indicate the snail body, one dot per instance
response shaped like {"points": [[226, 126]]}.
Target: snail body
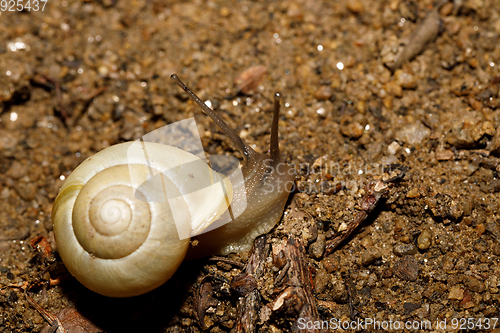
{"points": [[124, 217], [267, 185]]}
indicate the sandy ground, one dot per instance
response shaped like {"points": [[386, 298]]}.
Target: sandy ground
{"points": [[81, 76]]}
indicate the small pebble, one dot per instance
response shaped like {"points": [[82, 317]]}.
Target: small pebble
{"points": [[494, 228], [4, 247], [318, 247], [405, 249], [461, 265], [413, 133], [339, 291], [406, 268], [323, 93], [224, 12], [387, 273], [466, 301], [446, 9], [103, 70], [331, 263], [295, 11], [370, 256], [456, 293], [410, 307], [393, 88], [367, 242], [467, 205], [480, 229], [414, 193], [8, 140], [496, 249], [16, 170], [342, 227], [355, 6], [393, 148], [352, 130], [456, 211], [321, 281], [448, 262], [495, 142], [474, 284], [27, 191], [424, 240], [405, 80]]}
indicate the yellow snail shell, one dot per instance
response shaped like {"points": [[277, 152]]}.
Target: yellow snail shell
{"points": [[113, 237]]}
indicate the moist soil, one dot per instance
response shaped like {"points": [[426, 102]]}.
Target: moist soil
{"points": [[81, 76]]}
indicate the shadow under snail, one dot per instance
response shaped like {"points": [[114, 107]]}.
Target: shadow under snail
{"points": [[119, 243]]}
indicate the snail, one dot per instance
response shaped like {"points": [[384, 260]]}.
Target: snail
{"points": [[119, 239]]}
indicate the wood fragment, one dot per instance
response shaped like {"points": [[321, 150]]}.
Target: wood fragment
{"points": [[374, 191], [248, 80], [73, 322], [243, 284], [204, 301], [227, 261], [297, 300], [41, 244], [68, 320], [425, 33], [48, 316], [279, 279], [248, 307], [351, 292]]}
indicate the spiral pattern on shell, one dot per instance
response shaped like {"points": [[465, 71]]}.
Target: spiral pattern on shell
{"points": [[123, 218]]}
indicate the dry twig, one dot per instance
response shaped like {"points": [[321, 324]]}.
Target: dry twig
{"points": [[245, 286], [374, 191], [425, 33], [297, 300]]}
